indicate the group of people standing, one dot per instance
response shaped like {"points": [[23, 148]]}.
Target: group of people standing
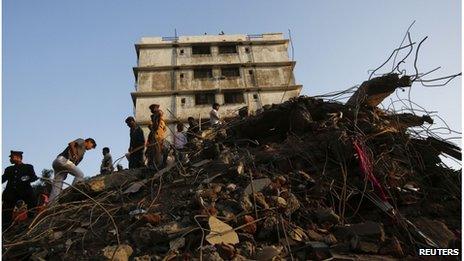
{"points": [[153, 148], [20, 175]]}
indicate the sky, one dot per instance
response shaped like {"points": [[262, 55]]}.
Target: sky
{"points": [[67, 65]]}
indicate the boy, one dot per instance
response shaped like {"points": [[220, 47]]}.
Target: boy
{"points": [[107, 162]]}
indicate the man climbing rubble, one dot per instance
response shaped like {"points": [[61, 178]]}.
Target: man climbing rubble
{"points": [[19, 177], [136, 144], [67, 162]]}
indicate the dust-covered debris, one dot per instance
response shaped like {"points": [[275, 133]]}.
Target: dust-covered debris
{"points": [[305, 179]]}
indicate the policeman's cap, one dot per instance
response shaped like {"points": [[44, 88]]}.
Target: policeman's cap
{"points": [[16, 152]]}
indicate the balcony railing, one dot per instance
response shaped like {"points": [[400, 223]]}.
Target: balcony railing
{"points": [[169, 38], [254, 36]]}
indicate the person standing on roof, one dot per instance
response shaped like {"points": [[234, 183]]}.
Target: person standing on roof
{"points": [[136, 145], [67, 162], [214, 116], [19, 177]]}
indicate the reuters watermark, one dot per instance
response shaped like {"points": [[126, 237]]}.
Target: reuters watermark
{"points": [[438, 252]]}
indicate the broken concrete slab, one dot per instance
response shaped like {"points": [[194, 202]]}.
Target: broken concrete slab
{"points": [[435, 230]]}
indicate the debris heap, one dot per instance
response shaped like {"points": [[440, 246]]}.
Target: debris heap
{"points": [[308, 179]]}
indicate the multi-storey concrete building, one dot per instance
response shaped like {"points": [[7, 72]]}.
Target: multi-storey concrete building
{"points": [[187, 74]]}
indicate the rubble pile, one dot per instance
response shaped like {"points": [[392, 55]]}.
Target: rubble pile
{"points": [[308, 179]]}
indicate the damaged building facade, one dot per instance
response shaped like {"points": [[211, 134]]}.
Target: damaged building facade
{"points": [[187, 74]]}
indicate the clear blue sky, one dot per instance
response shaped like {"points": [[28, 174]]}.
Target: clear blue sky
{"points": [[67, 65]]}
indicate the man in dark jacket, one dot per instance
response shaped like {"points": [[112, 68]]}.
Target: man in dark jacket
{"points": [[19, 177], [193, 129], [137, 144]]}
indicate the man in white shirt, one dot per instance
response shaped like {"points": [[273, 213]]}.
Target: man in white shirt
{"points": [[67, 162], [179, 137], [214, 117]]}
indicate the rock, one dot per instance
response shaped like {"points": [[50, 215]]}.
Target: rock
{"points": [[80, 230], [141, 236], [435, 230], [142, 258], [247, 249], [246, 204], [314, 236], [216, 188], [359, 245], [151, 218], [268, 229], [293, 204], [250, 229], [258, 185], [150, 236], [56, 235], [261, 200], [369, 230], [327, 215], [392, 248], [280, 202], [226, 251], [268, 253], [177, 243], [306, 177], [39, 256], [239, 258], [115, 253], [330, 239], [363, 237], [317, 251], [116, 179], [135, 187], [281, 180], [212, 256], [297, 234], [231, 187]]}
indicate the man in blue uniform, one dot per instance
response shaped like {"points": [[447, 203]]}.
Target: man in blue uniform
{"points": [[19, 177]]}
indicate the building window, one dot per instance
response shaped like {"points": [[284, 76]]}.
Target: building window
{"points": [[230, 72], [247, 50], [233, 97], [250, 72], [181, 75], [181, 51], [182, 100], [201, 49], [203, 73], [227, 49], [203, 98], [255, 96]]}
